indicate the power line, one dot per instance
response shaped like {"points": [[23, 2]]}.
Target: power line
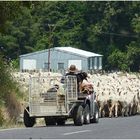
{"points": [[117, 34]]}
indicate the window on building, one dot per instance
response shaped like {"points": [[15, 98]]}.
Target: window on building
{"points": [[60, 66], [93, 62], [46, 66], [98, 63], [90, 63]]}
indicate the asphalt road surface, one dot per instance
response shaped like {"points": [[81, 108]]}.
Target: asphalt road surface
{"points": [[107, 128]]}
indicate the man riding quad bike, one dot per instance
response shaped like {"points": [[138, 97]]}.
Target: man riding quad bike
{"points": [[62, 100]]}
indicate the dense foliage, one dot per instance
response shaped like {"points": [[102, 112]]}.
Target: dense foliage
{"points": [[9, 93], [111, 28]]}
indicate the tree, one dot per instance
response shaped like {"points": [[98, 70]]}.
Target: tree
{"points": [[133, 54], [8, 11], [100, 27], [118, 61]]}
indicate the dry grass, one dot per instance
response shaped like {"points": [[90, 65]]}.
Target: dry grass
{"points": [[1, 117], [13, 106]]}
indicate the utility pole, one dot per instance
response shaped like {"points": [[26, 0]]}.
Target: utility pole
{"points": [[51, 29]]}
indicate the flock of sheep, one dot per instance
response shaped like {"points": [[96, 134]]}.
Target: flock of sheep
{"points": [[117, 94]]}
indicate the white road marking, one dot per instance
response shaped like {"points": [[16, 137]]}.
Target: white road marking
{"points": [[70, 133], [7, 129]]}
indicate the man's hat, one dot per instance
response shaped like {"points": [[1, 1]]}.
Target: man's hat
{"points": [[72, 68]]}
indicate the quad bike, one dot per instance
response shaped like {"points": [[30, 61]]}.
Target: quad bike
{"points": [[56, 102]]}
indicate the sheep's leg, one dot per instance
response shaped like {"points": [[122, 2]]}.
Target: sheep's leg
{"points": [[123, 110], [111, 111], [100, 112], [116, 110]]}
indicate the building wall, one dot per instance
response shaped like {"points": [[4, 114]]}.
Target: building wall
{"points": [[95, 63], [39, 57], [62, 57], [57, 56]]}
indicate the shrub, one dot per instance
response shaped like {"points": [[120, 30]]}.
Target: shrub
{"points": [[9, 91]]}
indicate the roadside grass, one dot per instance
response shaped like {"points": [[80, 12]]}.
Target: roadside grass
{"points": [[10, 93]]}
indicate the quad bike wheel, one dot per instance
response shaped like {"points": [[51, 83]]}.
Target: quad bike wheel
{"points": [[78, 115], [86, 114], [28, 121], [95, 118]]}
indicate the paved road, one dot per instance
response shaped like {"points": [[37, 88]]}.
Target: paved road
{"points": [[107, 128]]}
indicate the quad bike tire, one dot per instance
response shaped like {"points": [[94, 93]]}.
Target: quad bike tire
{"points": [[95, 118], [28, 121], [86, 114], [78, 116]]}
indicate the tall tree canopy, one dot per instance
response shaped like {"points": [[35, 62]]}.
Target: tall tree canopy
{"points": [[111, 28]]}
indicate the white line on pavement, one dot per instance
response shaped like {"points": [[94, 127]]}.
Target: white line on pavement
{"points": [[70, 133], [7, 129]]}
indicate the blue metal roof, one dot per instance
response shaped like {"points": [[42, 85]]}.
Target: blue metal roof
{"points": [[67, 50]]}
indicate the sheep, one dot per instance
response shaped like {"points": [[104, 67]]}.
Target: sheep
{"points": [[118, 93]]}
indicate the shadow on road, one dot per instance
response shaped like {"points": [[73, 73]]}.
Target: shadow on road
{"points": [[66, 125]]}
